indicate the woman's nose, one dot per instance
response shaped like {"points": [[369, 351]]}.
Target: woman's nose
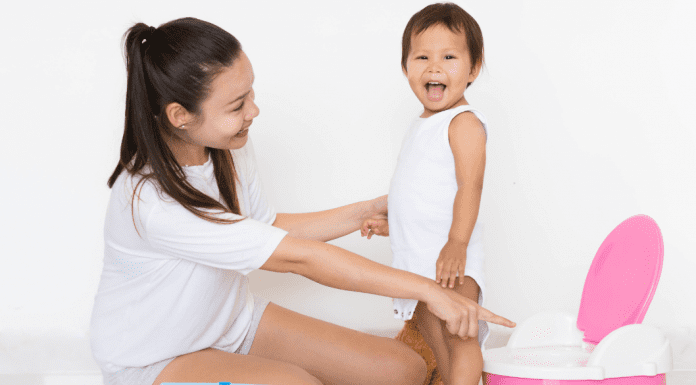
{"points": [[253, 112]]}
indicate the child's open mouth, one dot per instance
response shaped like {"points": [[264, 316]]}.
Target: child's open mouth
{"points": [[435, 91]]}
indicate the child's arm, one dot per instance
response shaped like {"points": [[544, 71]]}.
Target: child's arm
{"points": [[467, 139]]}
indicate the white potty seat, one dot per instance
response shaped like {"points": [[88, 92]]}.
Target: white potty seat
{"points": [[607, 344]]}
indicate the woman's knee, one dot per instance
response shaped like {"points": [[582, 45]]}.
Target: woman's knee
{"points": [[209, 364], [405, 366], [299, 376]]}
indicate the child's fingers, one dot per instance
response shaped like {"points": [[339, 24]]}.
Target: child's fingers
{"points": [[450, 275], [445, 275], [454, 269], [438, 271]]}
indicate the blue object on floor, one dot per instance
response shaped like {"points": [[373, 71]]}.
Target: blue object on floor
{"points": [[202, 383]]}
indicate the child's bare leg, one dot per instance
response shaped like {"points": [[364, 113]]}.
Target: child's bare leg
{"points": [[466, 360], [460, 361], [431, 329]]}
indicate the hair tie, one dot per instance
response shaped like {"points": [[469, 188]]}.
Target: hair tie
{"points": [[149, 32]]}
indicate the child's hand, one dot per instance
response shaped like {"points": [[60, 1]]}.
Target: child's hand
{"points": [[377, 224], [451, 262]]}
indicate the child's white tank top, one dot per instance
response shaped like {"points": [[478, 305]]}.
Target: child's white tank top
{"points": [[421, 200]]}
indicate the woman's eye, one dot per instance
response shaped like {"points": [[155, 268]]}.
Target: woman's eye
{"points": [[239, 108]]}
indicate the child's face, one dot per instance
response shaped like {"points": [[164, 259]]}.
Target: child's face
{"points": [[438, 69]]}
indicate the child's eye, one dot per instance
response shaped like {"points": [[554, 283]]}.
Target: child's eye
{"points": [[422, 57], [449, 57]]}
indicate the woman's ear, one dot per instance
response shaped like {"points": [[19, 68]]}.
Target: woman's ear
{"points": [[177, 115]]}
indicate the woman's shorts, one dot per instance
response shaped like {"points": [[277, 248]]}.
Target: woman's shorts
{"points": [[147, 375]]}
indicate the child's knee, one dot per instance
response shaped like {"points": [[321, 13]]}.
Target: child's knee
{"points": [[468, 288]]}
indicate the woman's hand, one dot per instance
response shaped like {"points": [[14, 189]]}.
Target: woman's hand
{"points": [[376, 221], [461, 315], [378, 224], [378, 207], [450, 263]]}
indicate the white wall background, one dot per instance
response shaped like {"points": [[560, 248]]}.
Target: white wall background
{"points": [[591, 111]]}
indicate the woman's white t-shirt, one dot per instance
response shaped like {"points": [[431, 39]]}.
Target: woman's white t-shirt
{"points": [[178, 284]]}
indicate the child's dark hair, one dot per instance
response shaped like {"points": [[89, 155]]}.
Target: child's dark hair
{"points": [[451, 16], [174, 63]]}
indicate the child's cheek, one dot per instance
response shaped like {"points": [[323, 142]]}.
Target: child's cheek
{"points": [[454, 68]]}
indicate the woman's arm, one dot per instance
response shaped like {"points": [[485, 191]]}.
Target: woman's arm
{"points": [[330, 224], [333, 266]]}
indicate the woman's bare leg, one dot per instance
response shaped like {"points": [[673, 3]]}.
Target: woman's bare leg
{"points": [[290, 348], [212, 365], [460, 361], [334, 354]]}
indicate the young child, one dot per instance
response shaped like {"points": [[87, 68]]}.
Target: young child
{"points": [[436, 189]]}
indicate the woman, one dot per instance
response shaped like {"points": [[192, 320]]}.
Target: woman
{"points": [[187, 220]]}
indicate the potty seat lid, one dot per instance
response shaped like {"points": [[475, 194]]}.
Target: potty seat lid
{"points": [[622, 278]]}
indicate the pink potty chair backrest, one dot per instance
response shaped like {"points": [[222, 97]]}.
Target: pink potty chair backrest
{"points": [[622, 278]]}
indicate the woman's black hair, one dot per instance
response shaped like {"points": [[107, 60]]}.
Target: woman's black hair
{"points": [[174, 63]]}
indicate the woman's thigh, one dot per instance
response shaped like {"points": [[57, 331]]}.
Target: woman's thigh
{"points": [[334, 354], [212, 365]]}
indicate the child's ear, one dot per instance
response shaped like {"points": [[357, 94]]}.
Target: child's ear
{"points": [[403, 69], [475, 71]]}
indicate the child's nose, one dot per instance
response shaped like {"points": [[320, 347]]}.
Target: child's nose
{"points": [[434, 66]]}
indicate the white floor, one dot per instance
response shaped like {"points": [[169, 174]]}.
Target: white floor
{"points": [[673, 378], [65, 359]]}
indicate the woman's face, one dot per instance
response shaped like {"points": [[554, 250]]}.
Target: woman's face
{"points": [[229, 109]]}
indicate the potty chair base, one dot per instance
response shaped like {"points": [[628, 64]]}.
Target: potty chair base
{"points": [[494, 379], [606, 343]]}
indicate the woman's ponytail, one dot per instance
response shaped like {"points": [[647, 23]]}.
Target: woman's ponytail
{"points": [[174, 63], [139, 112]]}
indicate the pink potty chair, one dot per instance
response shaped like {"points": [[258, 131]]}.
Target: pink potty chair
{"points": [[609, 346]]}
